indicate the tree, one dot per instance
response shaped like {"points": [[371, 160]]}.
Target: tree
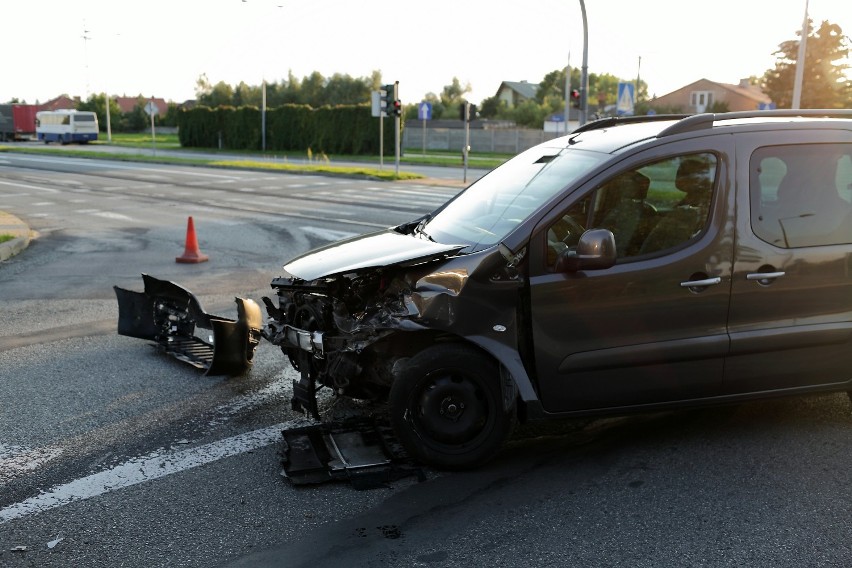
{"points": [[97, 104], [137, 119], [453, 94], [603, 89], [314, 90], [213, 95], [491, 107], [824, 84]]}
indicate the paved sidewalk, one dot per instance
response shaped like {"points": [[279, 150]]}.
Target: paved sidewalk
{"points": [[11, 225]]}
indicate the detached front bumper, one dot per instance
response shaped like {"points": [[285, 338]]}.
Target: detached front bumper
{"points": [[173, 318]]}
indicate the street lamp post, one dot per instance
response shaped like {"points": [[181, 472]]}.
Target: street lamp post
{"points": [[584, 75], [800, 63]]}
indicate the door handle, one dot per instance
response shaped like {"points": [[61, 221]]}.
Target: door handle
{"points": [[700, 283], [764, 277]]}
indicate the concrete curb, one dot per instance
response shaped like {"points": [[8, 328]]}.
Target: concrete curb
{"points": [[11, 225]]}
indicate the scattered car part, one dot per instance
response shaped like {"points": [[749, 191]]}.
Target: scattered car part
{"points": [[173, 318], [360, 451]]}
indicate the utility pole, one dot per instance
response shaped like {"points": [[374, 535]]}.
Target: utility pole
{"points": [[584, 75], [567, 91], [636, 90], [86, 39], [800, 63]]}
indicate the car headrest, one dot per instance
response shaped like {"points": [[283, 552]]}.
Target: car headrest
{"points": [[694, 175], [632, 185]]}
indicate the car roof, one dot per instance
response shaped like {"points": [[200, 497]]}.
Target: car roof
{"points": [[609, 135]]}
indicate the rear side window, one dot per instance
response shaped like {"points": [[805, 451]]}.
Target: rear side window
{"points": [[801, 195]]}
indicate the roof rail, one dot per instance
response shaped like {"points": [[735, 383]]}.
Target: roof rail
{"points": [[706, 120], [618, 120]]}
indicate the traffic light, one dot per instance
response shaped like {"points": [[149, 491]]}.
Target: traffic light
{"points": [[388, 99], [396, 108], [467, 112], [575, 98]]}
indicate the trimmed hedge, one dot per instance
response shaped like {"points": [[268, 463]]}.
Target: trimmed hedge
{"points": [[342, 129]]}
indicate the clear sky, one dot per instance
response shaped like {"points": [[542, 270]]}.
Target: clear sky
{"points": [[160, 48]]}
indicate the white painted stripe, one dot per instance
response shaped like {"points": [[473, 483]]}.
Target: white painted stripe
{"points": [[25, 186], [111, 215], [328, 234], [139, 470], [116, 166]]}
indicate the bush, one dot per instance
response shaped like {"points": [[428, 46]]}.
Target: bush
{"points": [[341, 129]]}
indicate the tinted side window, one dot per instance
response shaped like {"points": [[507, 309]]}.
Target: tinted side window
{"points": [[650, 209], [801, 195]]}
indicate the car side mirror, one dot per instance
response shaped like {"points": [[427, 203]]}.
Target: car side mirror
{"points": [[595, 251]]}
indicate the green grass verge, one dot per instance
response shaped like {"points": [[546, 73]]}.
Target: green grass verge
{"points": [[162, 141], [314, 168], [411, 155], [4, 238], [454, 160], [318, 169]]}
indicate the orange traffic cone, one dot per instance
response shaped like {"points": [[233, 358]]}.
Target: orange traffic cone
{"points": [[191, 254]]}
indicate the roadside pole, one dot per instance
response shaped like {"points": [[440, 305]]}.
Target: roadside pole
{"points": [[584, 71], [152, 109], [396, 121], [466, 116], [109, 128]]}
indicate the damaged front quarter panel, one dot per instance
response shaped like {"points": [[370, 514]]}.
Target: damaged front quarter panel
{"points": [[349, 331]]}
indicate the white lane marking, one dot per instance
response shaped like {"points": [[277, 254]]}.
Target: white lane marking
{"points": [[327, 234], [116, 166], [25, 186], [141, 469], [110, 215]]}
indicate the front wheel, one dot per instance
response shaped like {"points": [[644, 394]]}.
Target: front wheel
{"points": [[446, 407]]}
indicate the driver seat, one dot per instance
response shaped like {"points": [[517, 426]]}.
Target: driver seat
{"points": [[629, 216]]}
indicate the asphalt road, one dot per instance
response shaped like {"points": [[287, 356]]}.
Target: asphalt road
{"points": [[113, 455]]}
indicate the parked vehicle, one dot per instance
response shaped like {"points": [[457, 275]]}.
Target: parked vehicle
{"points": [[637, 264], [17, 122], [67, 126]]}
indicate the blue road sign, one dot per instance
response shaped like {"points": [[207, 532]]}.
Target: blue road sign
{"points": [[424, 111], [624, 104]]}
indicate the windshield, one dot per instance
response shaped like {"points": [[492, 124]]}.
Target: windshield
{"points": [[492, 207]]}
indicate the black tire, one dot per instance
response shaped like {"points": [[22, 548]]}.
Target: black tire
{"points": [[446, 407]]}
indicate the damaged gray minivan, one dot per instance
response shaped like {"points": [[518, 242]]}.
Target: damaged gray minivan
{"points": [[636, 264]]}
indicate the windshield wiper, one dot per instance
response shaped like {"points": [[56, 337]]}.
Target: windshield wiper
{"points": [[419, 229]]}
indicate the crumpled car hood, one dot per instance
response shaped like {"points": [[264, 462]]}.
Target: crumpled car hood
{"points": [[367, 251]]}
